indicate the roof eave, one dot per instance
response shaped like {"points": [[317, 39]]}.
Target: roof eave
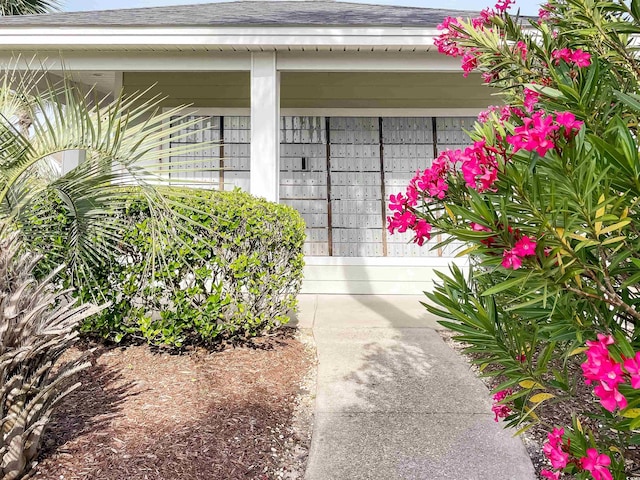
{"points": [[235, 36]]}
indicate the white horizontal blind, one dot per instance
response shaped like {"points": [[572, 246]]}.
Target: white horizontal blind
{"points": [[224, 164], [201, 167], [451, 135], [408, 147], [236, 148], [337, 172], [303, 177], [356, 193]]}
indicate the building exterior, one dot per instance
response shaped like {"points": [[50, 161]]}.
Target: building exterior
{"points": [[325, 106]]}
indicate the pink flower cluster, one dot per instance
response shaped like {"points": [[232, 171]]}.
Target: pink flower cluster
{"points": [[429, 184], [521, 49], [530, 99], [525, 247], [448, 42], [469, 61], [577, 57], [501, 410], [504, 5], [544, 13], [505, 112], [554, 449], [557, 451], [539, 132], [479, 166], [602, 369]]}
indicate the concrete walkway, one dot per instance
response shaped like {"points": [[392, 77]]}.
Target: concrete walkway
{"points": [[395, 402]]}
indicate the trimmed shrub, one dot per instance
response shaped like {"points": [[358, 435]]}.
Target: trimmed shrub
{"points": [[232, 268]]}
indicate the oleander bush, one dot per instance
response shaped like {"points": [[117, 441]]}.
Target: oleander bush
{"points": [[546, 199], [37, 325], [231, 269]]}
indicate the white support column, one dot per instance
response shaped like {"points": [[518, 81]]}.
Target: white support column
{"points": [[265, 126], [71, 159], [118, 81]]}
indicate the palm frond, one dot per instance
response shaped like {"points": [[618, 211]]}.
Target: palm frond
{"points": [[125, 140], [28, 7]]}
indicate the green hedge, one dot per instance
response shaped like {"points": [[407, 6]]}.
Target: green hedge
{"points": [[230, 267]]}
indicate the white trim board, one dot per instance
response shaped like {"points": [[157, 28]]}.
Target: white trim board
{"points": [[435, 262], [265, 37], [341, 112], [199, 59]]}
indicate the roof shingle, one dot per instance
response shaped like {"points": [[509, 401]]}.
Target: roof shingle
{"points": [[250, 13]]}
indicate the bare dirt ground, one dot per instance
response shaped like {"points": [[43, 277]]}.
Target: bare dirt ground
{"points": [[240, 413]]}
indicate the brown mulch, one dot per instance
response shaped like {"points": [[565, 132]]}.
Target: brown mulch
{"points": [[200, 415]]}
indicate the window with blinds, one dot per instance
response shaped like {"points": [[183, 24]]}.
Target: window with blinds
{"points": [[337, 172]]}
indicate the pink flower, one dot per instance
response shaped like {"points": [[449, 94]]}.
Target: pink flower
{"points": [[422, 230], [488, 77], [486, 15], [530, 99], [479, 167], [483, 117], [501, 395], [537, 134], [550, 475], [609, 396], [602, 368], [397, 202], [476, 227], [556, 435], [432, 181], [511, 260], [598, 359], [442, 164], [544, 14], [596, 464], [580, 58], [562, 54], [521, 48], [525, 247], [611, 374], [556, 455], [567, 120], [447, 41], [506, 112], [501, 411], [401, 222], [577, 57], [469, 61], [412, 196], [553, 450], [603, 341], [504, 5], [632, 366]]}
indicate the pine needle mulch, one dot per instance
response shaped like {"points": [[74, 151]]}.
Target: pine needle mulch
{"points": [[202, 415]]}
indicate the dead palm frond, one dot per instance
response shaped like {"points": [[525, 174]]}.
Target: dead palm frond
{"points": [[37, 325]]}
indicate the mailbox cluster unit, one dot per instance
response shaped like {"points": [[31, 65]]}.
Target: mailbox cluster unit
{"points": [[338, 172]]}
